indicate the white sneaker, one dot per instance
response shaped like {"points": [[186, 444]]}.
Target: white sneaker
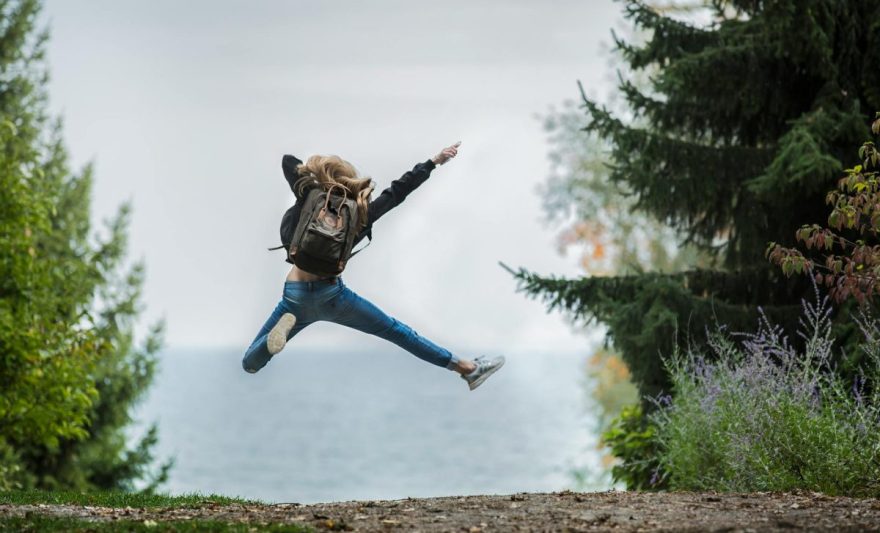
{"points": [[278, 334], [485, 368]]}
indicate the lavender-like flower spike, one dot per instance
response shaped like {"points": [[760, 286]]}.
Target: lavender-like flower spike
{"points": [[761, 410]]}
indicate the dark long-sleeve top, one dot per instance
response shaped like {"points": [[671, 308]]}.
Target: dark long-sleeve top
{"points": [[386, 201]]}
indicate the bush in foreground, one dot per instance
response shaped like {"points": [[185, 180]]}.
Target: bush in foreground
{"points": [[761, 416]]}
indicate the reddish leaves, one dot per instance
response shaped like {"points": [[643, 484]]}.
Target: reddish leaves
{"points": [[851, 266]]}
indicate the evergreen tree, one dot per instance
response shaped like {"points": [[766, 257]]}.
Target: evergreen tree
{"points": [[747, 122], [69, 370]]}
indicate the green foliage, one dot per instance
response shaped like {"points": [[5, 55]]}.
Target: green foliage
{"points": [[68, 368], [848, 268], [36, 523], [101, 498], [762, 416], [632, 438], [744, 125]]}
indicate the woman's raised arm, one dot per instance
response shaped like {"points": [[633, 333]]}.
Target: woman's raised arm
{"points": [[402, 186], [288, 166]]}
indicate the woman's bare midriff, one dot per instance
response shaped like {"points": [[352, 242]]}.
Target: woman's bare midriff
{"points": [[296, 274]]}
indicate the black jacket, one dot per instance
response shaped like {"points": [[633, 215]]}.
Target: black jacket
{"points": [[387, 200]]}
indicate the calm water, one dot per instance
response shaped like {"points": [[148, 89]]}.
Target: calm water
{"points": [[328, 426]]}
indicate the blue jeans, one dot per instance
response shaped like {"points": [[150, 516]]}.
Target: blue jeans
{"points": [[333, 301]]}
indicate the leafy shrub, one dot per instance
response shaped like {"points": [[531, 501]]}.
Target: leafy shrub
{"points": [[762, 416], [849, 268], [632, 439]]}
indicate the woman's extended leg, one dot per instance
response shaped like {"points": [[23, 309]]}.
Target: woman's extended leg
{"points": [[258, 354], [358, 313]]}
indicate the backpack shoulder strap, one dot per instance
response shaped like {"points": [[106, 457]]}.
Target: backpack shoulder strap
{"points": [[369, 235]]}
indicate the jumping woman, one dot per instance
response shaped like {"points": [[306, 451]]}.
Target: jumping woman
{"points": [[310, 297]]}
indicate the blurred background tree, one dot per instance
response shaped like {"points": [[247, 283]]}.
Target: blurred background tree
{"points": [[600, 222], [69, 367]]}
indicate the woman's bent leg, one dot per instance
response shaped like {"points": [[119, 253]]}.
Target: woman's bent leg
{"points": [[360, 314], [257, 354]]}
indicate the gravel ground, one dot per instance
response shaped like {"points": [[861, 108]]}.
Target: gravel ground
{"points": [[557, 511]]}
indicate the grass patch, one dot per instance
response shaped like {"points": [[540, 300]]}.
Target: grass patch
{"points": [[116, 499], [34, 523]]}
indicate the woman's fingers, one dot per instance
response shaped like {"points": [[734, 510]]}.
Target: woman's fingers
{"points": [[448, 153]]}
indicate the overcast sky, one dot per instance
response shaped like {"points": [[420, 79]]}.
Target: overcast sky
{"points": [[187, 107]]}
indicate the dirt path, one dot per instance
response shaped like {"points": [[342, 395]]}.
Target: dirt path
{"points": [[558, 511]]}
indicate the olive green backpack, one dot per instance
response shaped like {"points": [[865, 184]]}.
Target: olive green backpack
{"points": [[324, 236]]}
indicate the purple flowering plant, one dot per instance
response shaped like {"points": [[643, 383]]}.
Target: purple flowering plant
{"points": [[761, 415]]}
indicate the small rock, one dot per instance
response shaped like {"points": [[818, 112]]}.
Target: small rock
{"points": [[333, 525], [287, 505]]}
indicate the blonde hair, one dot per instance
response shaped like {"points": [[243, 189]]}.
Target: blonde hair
{"points": [[326, 170]]}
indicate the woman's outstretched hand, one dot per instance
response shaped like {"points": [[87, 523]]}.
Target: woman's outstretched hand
{"points": [[446, 154]]}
